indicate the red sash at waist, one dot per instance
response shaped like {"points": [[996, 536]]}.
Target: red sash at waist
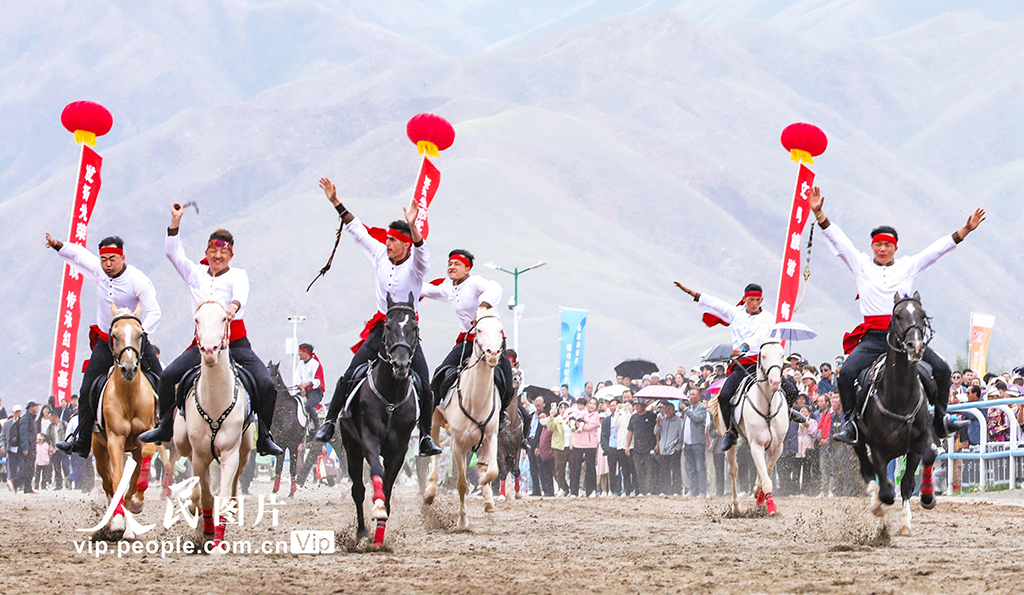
{"points": [[370, 325], [236, 332], [871, 323], [746, 360], [96, 335]]}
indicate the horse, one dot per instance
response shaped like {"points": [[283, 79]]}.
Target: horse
{"points": [[384, 411], [471, 414], [289, 433], [215, 423], [763, 423], [894, 419], [129, 409], [510, 444]]}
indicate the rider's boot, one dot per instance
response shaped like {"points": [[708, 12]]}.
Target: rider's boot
{"points": [[326, 431], [265, 441], [428, 448], [790, 390], [164, 432], [427, 403], [848, 434], [946, 425], [80, 443], [728, 440], [797, 416]]}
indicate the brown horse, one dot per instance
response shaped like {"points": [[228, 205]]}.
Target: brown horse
{"points": [[129, 408]]}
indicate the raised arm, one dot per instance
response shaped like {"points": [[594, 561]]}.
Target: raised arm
{"points": [[944, 245], [77, 256], [837, 241], [420, 253], [174, 250], [710, 303], [432, 291]]}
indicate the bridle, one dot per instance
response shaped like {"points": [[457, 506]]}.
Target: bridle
{"points": [[478, 351], [925, 329], [760, 361], [227, 324], [110, 333], [387, 349]]}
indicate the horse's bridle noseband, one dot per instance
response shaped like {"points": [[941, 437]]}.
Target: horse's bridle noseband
{"points": [[110, 335], [761, 359], [472, 331], [901, 338], [386, 351]]}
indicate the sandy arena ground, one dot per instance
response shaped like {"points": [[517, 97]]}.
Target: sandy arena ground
{"points": [[614, 545]]}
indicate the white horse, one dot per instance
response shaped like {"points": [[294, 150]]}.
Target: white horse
{"points": [[472, 414], [764, 421], [221, 432]]}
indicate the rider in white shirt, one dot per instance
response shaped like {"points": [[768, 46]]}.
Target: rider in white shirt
{"points": [[401, 263], [751, 327], [310, 378], [881, 277], [465, 293], [214, 279], [124, 286]]}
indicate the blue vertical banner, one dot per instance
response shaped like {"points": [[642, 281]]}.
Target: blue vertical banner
{"points": [[573, 336]]}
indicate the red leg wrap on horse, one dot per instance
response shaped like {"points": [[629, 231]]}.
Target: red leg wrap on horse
{"points": [[277, 483], [218, 531], [208, 521], [502, 491], [770, 503], [378, 536], [143, 484], [927, 487], [295, 486], [517, 485], [760, 496], [378, 489], [119, 509]]}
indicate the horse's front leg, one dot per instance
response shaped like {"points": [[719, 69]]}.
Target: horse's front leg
{"points": [[140, 479], [907, 490], [371, 450], [487, 469], [435, 433], [927, 486], [733, 471], [202, 497], [764, 481], [227, 494], [461, 483], [115, 462], [393, 462], [354, 458]]}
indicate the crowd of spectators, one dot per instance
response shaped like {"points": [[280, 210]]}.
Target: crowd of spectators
{"points": [[28, 460]]}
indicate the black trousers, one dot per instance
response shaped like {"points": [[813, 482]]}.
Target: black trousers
{"points": [[242, 354], [646, 476], [535, 473], [581, 456], [867, 351], [370, 349], [458, 356], [100, 362], [547, 475], [739, 372], [670, 472], [627, 470]]}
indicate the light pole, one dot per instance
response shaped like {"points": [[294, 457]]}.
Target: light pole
{"points": [[515, 306], [294, 346]]}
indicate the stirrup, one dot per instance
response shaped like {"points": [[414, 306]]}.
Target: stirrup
{"points": [[326, 432], [729, 440], [428, 448], [797, 416], [850, 434]]}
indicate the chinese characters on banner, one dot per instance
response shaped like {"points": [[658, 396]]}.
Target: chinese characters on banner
{"points": [[789, 280], [981, 330], [426, 187], [573, 337], [66, 337]]}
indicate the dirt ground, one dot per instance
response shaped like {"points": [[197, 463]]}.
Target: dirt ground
{"points": [[609, 545]]}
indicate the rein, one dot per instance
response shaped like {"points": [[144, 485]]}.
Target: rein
{"points": [[901, 338], [768, 415], [117, 356], [389, 407], [458, 388], [386, 351]]}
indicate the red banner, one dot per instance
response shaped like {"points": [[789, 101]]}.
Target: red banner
{"points": [[66, 338], [426, 187], [789, 280]]}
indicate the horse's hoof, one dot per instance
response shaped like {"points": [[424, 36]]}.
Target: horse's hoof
{"points": [[117, 524], [929, 503], [428, 499], [519, 495], [905, 531], [379, 512], [219, 548], [135, 506], [488, 507]]}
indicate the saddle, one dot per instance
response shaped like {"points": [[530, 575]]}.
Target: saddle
{"points": [[99, 386], [870, 375], [187, 386], [450, 375]]}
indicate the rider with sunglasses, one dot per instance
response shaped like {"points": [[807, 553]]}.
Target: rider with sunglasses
{"points": [[119, 284], [880, 277], [213, 279]]}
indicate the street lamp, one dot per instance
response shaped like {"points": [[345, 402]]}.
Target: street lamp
{"points": [[516, 308], [293, 347]]}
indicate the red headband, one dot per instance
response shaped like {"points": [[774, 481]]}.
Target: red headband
{"points": [[111, 250], [883, 237], [306, 350], [399, 236], [220, 243], [461, 259], [755, 294]]}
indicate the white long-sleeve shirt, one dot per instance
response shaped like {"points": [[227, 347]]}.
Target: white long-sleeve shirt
{"points": [[396, 280], [127, 290], [306, 372], [753, 330], [465, 298], [230, 286], [876, 284]]}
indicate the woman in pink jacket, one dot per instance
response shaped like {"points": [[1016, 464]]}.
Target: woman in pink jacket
{"points": [[584, 422]]}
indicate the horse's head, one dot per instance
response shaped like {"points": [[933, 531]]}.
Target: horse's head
{"points": [[401, 335], [275, 375], [212, 331], [909, 331], [770, 359], [490, 339], [126, 340]]}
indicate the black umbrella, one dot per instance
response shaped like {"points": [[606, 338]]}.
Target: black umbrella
{"points": [[720, 353], [636, 368], [533, 391]]}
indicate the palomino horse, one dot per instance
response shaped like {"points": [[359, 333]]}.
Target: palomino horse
{"points": [[764, 421], [214, 425], [895, 419], [471, 415], [384, 412], [290, 434], [129, 406]]}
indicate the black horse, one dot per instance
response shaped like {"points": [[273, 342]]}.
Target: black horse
{"points": [[510, 444], [290, 434], [384, 412], [895, 420]]}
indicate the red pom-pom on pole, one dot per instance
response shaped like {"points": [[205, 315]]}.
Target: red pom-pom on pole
{"points": [[804, 141], [430, 133], [87, 120]]}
